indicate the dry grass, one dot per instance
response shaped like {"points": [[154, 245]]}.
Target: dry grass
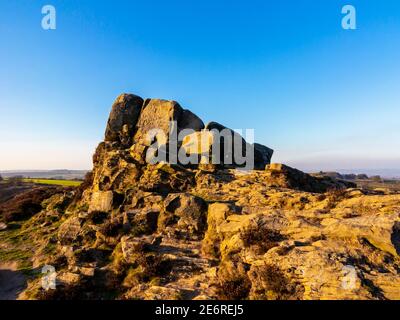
{"points": [[334, 196]]}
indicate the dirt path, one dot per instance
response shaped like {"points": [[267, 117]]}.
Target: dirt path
{"points": [[12, 282]]}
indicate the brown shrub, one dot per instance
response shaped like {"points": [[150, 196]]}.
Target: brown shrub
{"points": [[148, 266], [152, 264], [270, 283], [235, 287], [103, 286], [233, 281], [260, 238], [60, 293], [26, 204]]}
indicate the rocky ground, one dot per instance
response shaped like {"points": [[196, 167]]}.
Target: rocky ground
{"points": [[160, 231]]}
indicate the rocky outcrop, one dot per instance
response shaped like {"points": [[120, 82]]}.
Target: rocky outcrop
{"points": [[150, 127], [288, 244], [280, 175], [136, 150], [162, 230]]}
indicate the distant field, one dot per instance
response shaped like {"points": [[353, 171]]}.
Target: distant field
{"points": [[46, 174], [66, 183], [393, 185]]}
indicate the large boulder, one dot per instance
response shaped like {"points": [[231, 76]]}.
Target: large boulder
{"points": [[123, 118], [189, 120], [160, 122], [198, 147], [262, 156], [155, 129], [156, 115], [218, 145]]}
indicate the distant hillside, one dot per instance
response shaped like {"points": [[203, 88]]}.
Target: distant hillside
{"points": [[384, 173], [358, 173], [46, 174]]}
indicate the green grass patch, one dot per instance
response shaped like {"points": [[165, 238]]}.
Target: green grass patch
{"points": [[65, 183], [13, 250]]}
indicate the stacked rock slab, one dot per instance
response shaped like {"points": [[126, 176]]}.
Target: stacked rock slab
{"points": [[220, 145], [139, 124], [141, 132]]}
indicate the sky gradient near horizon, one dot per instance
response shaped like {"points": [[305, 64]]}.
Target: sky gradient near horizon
{"points": [[320, 96]]}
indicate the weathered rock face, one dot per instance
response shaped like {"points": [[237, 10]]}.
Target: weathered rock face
{"points": [[70, 230], [300, 245], [113, 168], [217, 214], [199, 147], [160, 122], [233, 148], [101, 201], [138, 135], [123, 118], [174, 231], [227, 149], [156, 115], [184, 215], [164, 178]]}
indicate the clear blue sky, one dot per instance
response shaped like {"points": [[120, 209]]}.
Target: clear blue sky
{"points": [[321, 96]]}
